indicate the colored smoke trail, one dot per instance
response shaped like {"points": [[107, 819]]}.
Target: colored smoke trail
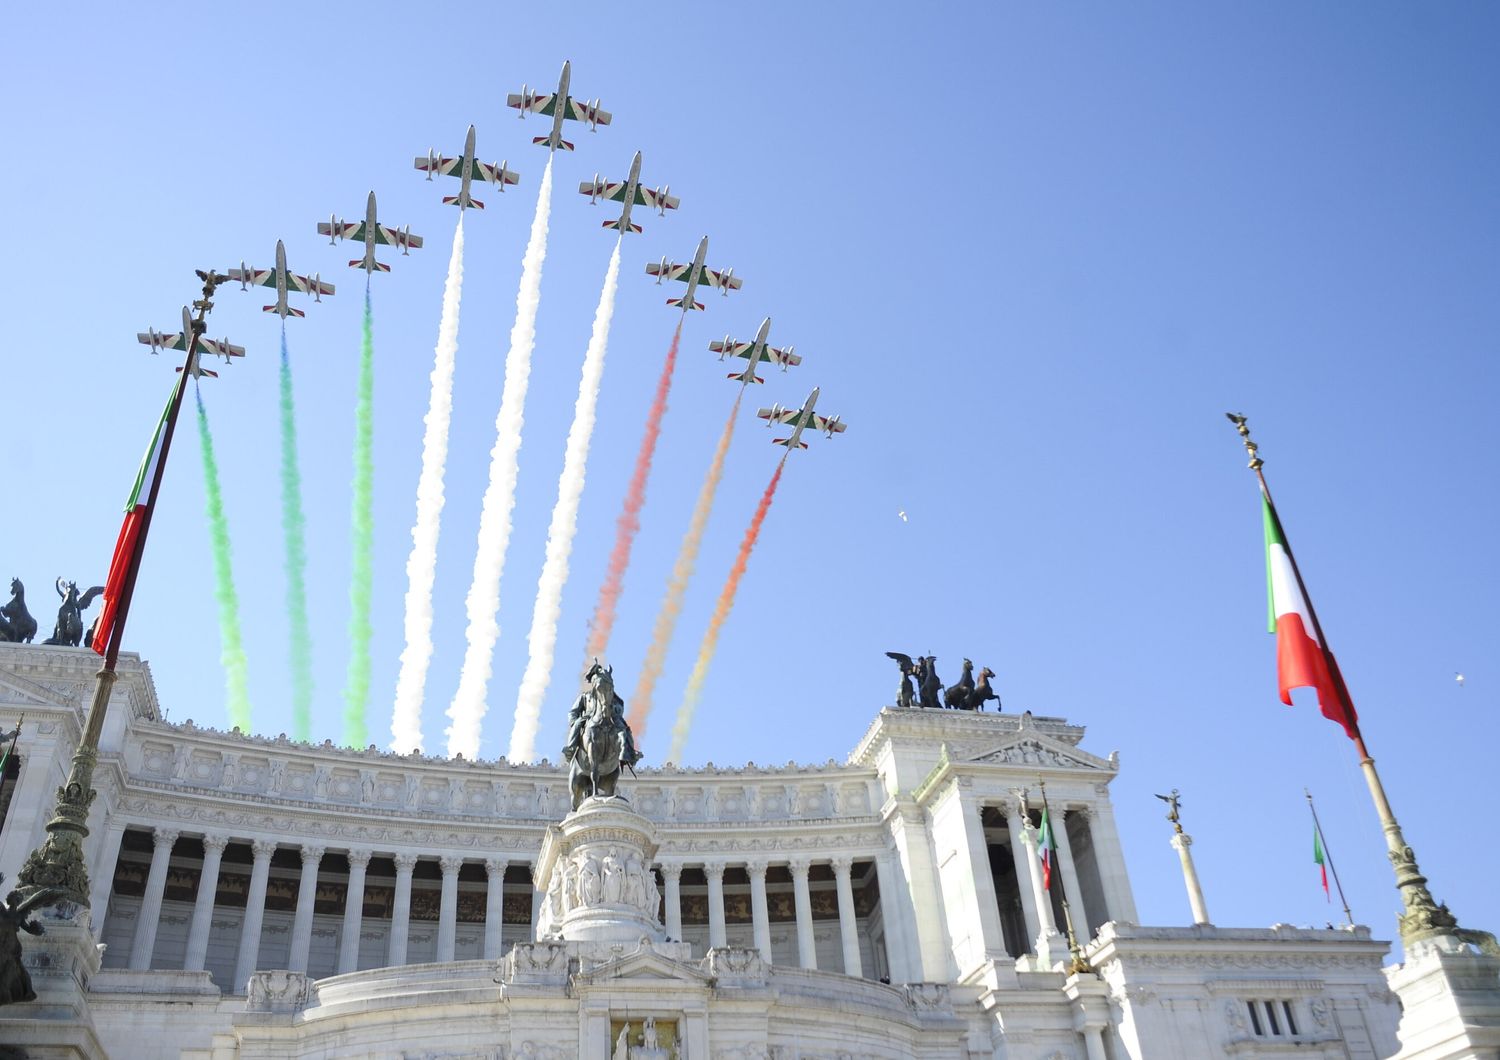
{"points": [[548, 608], [629, 522], [421, 565], [231, 646], [361, 537], [294, 536], [682, 573], [466, 712]]}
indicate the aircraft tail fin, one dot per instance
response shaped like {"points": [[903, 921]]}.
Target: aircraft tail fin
{"points": [[289, 309], [565, 145], [679, 301], [788, 443], [615, 224], [453, 200], [741, 377]]}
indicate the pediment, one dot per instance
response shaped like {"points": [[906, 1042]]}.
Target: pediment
{"points": [[646, 963], [18, 691], [1031, 749]]}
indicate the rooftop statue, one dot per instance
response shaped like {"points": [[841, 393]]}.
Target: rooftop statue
{"points": [[16, 623], [69, 628], [600, 742]]}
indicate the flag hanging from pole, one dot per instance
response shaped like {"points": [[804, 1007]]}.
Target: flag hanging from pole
{"points": [[125, 545], [1301, 659], [1320, 861], [10, 749], [1045, 845]]}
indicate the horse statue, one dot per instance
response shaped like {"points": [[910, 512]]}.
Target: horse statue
{"points": [[983, 691], [599, 739], [906, 695], [928, 683], [16, 623], [956, 697], [69, 628]]}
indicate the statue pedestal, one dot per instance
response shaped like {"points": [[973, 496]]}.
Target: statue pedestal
{"points": [[595, 869]]}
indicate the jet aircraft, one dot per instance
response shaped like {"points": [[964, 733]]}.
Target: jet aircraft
{"points": [[372, 233], [693, 275], [178, 341], [557, 106], [630, 192], [801, 419], [466, 169], [282, 280], [754, 351]]}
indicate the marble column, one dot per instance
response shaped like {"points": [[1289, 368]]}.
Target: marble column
{"points": [[760, 915], [203, 905], [255, 911], [848, 926], [354, 912], [103, 882], [900, 949], [1182, 842], [1069, 870], [714, 870], [538, 896], [150, 914], [807, 947], [671, 875], [307, 892], [401, 911], [1110, 858], [448, 909], [494, 908], [1023, 860], [1050, 946]]}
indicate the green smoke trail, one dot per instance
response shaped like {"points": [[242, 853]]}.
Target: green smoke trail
{"points": [[231, 648], [294, 534], [361, 538]]}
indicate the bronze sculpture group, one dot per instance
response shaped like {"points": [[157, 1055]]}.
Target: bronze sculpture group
{"points": [[921, 686], [600, 742], [18, 626]]}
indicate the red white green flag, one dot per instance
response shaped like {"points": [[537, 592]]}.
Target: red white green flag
{"points": [[1320, 861], [1045, 847], [130, 530], [1301, 661]]}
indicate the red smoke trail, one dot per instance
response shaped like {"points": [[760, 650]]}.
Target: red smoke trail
{"points": [[706, 650], [629, 522]]}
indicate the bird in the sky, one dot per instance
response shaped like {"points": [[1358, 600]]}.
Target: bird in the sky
{"points": [[902, 515], [1459, 678]]}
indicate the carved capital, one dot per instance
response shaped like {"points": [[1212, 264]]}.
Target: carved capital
{"points": [[799, 867], [757, 869], [714, 870], [842, 863], [359, 858], [214, 843], [263, 849], [671, 871], [496, 866], [450, 864], [312, 854], [405, 862], [164, 837]]}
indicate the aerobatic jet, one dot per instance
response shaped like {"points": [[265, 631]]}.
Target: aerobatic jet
{"points": [[282, 280], [754, 351], [467, 169], [693, 275], [178, 341], [801, 419], [370, 232], [630, 192], [558, 106]]}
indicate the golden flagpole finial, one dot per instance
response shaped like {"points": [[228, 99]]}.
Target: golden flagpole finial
{"points": [[1242, 425]]}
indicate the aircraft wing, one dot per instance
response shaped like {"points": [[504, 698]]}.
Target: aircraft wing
{"points": [[443, 168], [391, 238], [673, 271], [609, 191], [824, 423], [220, 348], [647, 197], [731, 348], [581, 110], [307, 285], [347, 230], [783, 358], [779, 415], [161, 342], [535, 104], [717, 279], [255, 277], [495, 173]]}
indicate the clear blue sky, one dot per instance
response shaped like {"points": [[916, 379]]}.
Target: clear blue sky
{"points": [[1031, 254]]}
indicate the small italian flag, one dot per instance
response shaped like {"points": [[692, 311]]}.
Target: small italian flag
{"points": [[10, 749], [1301, 661], [1320, 861], [130, 531], [1044, 848]]}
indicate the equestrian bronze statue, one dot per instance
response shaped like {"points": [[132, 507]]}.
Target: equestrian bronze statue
{"points": [[600, 742]]}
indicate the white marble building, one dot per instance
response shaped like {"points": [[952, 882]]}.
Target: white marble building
{"points": [[260, 898]]}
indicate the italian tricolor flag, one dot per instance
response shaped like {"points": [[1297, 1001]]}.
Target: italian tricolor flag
{"points": [[1320, 861], [1045, 845], [130, 531], [1301, 661]]}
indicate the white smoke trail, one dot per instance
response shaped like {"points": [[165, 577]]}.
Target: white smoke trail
{"points": [[543, 638], [421, 565], [466, 712]]}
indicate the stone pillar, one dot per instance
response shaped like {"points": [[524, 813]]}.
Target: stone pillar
{"points": [[671, 874], [401, 911], [150, 914], [203, 905], [255, 911], [848, 927], [1182, 842], [1071, 890], [538, 896], [354, 912], [759, 913], [104, 875], [807, 948], [900, 948], [1050, 946], [494, 908], [448, 910], [307, 891], [1023, 859], [971, 909], [714, 870], [1111, 859]]}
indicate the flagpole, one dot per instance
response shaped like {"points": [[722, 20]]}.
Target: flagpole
{"points": [[1328, 856], [5, 758], [1077, 963], [1422, 917], [56, 872]]}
